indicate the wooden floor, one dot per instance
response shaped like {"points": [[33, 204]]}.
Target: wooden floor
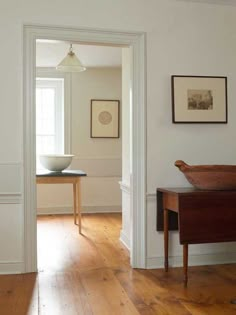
{"points": [[90, 274]]}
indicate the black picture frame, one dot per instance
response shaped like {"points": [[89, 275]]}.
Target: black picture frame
{"points": [[199, 99]]}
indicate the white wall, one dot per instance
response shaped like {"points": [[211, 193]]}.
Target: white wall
{"points": [[99, 158], [182, 38], [195, 39]]}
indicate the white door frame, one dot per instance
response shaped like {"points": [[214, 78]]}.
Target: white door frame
{"points": [[135, 40]]}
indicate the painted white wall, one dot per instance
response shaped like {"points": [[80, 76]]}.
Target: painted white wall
{"points": [[99, 158], [182, 38], [199, 43]]}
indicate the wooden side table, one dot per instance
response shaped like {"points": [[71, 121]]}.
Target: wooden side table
{"points": [[203, 217], [66, 177]]}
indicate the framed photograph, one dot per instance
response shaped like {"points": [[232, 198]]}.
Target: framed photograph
{"points": [[105, 119], [199, 99]]}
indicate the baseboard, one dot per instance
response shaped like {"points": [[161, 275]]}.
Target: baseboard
{"points": [[125, 239], [7, 268], [101, 209], [85, 209], [193, 260]]}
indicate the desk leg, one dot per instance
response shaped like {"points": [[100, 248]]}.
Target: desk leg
{"points": [[78, 202], [185, 255], [166, 237], [74, 200]]}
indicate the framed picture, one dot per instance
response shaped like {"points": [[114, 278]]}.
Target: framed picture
{"points": [[105, 116], [199, 99]]}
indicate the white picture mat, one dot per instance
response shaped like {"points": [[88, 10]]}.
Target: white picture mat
{"points": [[218, 89], [110, 130]]}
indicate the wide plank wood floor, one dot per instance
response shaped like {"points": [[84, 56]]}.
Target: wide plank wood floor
{"points": [[90, 274]]}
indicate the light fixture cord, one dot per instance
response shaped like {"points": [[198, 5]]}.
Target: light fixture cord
{"points": [[71, 53]]}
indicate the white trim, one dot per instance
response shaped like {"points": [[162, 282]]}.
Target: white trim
{"points": [[138, 200], [11, 163], [15, 198], [102, 209], [213, 2], [125, 240], [52, 73], [116, 177], [57, 85], [135, 40], [30, 230], [85, 209], [105, 157], [47, 72], [151, 195], [194, 260], [125, 187], [11, 267]]}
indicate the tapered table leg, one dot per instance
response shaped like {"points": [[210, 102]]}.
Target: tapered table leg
{"points": [[185, 256], [74, 201], [166, 238], [78, 203]]}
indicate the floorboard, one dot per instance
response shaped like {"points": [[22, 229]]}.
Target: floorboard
{"points": [[90, 274]]}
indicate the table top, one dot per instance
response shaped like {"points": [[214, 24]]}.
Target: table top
{"points": [[192, 191], [65, 173]]}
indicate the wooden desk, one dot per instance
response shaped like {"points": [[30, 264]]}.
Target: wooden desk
{"points": [[203, 217], [65, 177]]}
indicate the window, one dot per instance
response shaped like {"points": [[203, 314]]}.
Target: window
{"points": [[49, 117]]}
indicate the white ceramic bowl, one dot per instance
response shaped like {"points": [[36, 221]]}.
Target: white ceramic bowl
{"points": [[56, 162]]}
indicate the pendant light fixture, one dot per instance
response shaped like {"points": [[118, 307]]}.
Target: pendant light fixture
{"points": [[70, 63]]}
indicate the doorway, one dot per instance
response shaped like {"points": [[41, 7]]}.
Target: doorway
{"points": [[66, 99], [65, 102], [136, 41]]}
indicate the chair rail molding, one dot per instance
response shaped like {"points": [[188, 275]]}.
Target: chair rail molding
{"points": [[104, 157], [137, 42], [151, 195], [213, 2], [10, 197]]}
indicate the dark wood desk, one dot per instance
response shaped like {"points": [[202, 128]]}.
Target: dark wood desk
{"points": [[203, 217], [65, 177]]}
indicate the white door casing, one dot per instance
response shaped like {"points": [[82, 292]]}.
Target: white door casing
{"points": [[135, 40]]}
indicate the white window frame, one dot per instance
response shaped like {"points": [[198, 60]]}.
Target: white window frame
{"points": [[51, 73], [57, 85]]}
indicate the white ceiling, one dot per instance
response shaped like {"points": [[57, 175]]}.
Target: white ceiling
{"points": [[49, 53]]}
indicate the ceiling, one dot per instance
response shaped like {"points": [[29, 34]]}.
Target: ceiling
{"points": [[49, 53]]}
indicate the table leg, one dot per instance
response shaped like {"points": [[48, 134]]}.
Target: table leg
{"points": [[74, 200], [185, 255], [166, 238], [78, 202]]}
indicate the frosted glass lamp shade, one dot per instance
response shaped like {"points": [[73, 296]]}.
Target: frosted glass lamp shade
{"points": [[70, 63]]}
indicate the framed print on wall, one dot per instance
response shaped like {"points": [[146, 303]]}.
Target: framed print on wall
{"points": [[105, 116], [199, 99]]}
